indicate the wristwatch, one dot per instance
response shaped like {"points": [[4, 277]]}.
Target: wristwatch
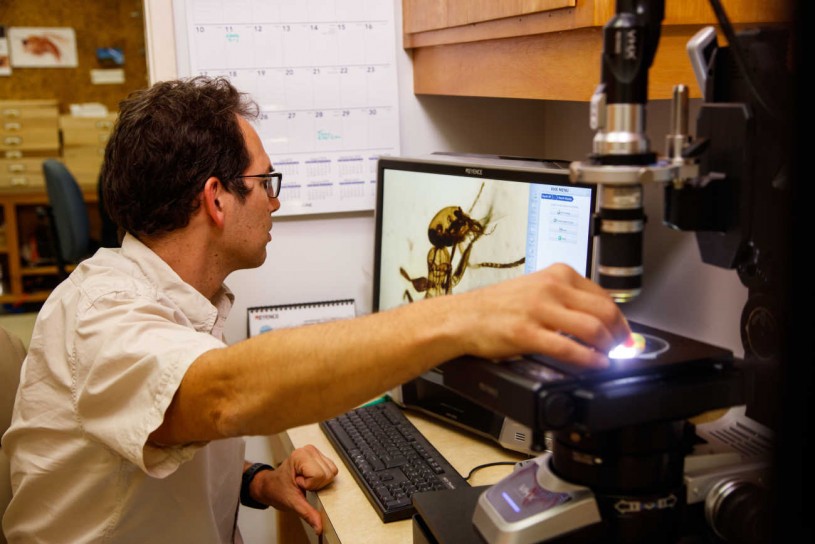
{"points": [[246, 481]]}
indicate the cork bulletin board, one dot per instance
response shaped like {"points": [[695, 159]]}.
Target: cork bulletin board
{"points": [[97, 24]]}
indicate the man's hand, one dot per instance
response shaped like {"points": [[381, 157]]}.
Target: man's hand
{"points": [[554, 311], [284, 488]]}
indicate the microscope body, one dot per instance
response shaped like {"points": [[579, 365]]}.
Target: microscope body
{"points": [[656, 479], [729, 184]]}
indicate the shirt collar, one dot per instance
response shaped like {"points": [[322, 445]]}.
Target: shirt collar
{"points": [[205, 315]]}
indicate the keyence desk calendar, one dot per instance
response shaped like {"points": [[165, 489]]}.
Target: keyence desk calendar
{"points": [[262, 319], [324, 75]]}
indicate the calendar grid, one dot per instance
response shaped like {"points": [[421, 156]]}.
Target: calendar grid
{"points": [[323, 73]]}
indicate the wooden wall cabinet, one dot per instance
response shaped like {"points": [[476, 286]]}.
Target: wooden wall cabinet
{"points": [[550, 49]]}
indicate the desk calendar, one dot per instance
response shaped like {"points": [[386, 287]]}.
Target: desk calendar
{"points": [[260, 319]]}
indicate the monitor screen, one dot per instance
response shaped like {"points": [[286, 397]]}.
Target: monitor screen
{"points": [[447, 224]]}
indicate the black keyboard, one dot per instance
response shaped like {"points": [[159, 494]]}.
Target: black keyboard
{"points": [[389, 458]]}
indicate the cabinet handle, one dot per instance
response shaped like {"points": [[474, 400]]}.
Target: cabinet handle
{"points": [[12, 126], [16, 168], [104, 124], [12, 140], [19, 181], [14, 154], [11, 112]]}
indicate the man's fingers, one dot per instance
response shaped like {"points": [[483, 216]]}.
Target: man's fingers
{"points": [[566, 349], [303, 509], [597, 319], [313, 470]]}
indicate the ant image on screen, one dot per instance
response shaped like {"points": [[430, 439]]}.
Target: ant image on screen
{"points": [[452, 228]]}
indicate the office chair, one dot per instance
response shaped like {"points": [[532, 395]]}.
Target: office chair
{"points": [[12, 353], [70, 225]]}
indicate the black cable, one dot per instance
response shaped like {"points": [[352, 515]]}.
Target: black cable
{"points": [[738, 53], [495, 464]]}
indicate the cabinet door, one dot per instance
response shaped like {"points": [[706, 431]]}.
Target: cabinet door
{"points": [[423, 15]]}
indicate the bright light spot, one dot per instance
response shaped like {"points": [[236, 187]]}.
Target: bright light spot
{"points": [[630, 348]]}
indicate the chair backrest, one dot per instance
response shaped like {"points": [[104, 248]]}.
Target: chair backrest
{"points": [[12, 353], [70, 214]]}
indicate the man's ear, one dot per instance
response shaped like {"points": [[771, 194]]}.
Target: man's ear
{"points": [[212, 199]]}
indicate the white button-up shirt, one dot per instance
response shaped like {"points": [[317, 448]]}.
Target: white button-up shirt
{"points": [[108, 352]]}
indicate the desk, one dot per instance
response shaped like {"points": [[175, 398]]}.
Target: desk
{"points": [[18, 214], [348, 516]]}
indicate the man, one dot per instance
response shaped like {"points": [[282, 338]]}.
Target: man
{"points": [[129, 415]]}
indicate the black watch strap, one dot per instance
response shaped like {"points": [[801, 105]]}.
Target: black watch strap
{"points": [[246, 481]]}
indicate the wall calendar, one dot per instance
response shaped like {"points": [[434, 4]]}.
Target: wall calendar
{"points": [[324, 75]]}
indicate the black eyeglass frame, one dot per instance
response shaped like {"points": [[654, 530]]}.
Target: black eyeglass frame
{"points": [[272, 182]]}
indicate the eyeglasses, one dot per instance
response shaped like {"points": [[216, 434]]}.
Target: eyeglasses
{"points": [[271, 182]]}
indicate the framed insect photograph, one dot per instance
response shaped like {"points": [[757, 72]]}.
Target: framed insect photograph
{"points": [[43, 47]]}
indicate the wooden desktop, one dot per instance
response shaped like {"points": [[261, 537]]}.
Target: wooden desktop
{"points": [[348, 516]]}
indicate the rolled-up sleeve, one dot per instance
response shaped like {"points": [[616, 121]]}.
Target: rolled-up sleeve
{"points": [[135, 351]]}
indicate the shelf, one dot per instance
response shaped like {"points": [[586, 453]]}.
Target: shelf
{"points": [[47, 270], [24, 283], [34, 296], [32, 196]]}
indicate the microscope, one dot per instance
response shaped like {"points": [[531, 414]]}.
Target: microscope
{"points": [[622, 462]]}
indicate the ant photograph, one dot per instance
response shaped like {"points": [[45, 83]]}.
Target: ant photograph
{"points": [[452, 238]]}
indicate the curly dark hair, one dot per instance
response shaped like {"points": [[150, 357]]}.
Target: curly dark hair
{"points": [[167, 141]]}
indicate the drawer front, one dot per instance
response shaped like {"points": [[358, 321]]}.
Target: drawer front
{"points": [[91, 131], [83, 166], [21, 181], [26, 114], [84, 124], [23, 126], [29, 140], [84, 163], [86, 138], [16, 154], [88, 153], [22, 173], [25, 166]]}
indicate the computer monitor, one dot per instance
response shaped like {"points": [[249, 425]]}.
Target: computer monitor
{"points": [[448, 223]]}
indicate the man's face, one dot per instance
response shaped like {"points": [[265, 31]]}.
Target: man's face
{"points": [[250, 227]]}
